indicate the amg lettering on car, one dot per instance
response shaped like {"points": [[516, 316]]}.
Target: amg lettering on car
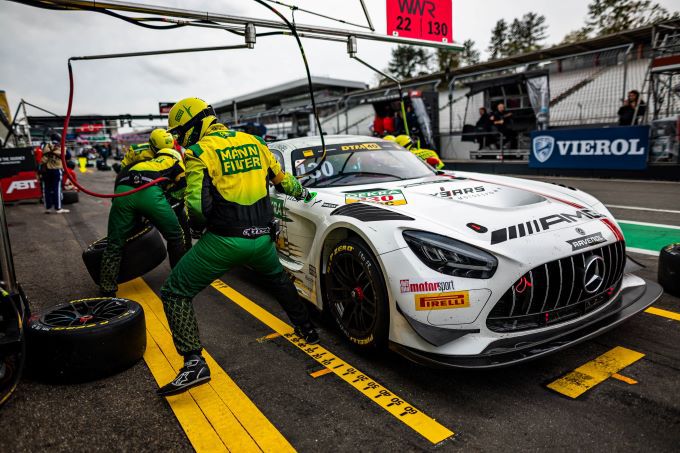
{"points": [[586, 241], [407, 287], [537, 225], [443, 301]]}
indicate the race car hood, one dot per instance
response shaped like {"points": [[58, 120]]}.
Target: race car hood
{"points": [[483, 209]]}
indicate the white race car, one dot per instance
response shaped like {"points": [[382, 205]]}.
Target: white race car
{"points": [[450, 268]]}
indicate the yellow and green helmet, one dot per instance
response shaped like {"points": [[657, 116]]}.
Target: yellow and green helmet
{"points": [[189, 119]]}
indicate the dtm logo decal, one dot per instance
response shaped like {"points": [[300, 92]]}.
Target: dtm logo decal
{"points": [[22, 185], [543, 224]]}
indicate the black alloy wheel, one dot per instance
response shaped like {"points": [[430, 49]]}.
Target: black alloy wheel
{"points": [[356, 295]]}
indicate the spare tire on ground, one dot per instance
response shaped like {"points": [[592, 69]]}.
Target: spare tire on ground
{"points": [[85, 339], [70, 197], [669, 269], [142, 253]]}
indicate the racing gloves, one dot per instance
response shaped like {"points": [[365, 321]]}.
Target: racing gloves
{"points": [[291, 186]]}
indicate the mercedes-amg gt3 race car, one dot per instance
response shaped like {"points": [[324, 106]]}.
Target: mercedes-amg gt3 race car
{"points": [[450, 268]]}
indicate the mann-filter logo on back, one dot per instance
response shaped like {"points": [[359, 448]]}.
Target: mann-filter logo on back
{"points": [[544, 145]]}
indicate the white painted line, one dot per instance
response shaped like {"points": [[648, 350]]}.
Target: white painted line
{"points": [[642, 251], [636, 208], [659, 225]]}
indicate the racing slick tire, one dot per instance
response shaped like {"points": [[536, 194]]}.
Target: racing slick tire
{"points": [[85, 339], [142, 253], [70, 197], [355, 294], [14, 314], [669, 269]]}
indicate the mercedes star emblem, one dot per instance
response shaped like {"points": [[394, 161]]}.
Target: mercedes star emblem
{"points": [[593, 274]]}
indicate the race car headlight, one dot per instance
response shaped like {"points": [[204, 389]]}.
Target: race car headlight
{"points": [[449, 256]]}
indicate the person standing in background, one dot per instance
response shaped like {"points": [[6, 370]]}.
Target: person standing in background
{"points": [[52, 172]]}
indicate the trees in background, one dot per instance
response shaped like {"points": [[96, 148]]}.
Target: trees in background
{"points": [[524, 34], [613, 16]]}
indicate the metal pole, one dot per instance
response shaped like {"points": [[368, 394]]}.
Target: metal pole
{"points": [[368, 17], [159, 52], [235, 112], [28, 126], [239, 20]]}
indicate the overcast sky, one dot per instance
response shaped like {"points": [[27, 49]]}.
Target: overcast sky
{"points": [[36, 44]]}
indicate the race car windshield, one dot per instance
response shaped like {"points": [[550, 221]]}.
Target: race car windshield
{"points": [[358, 163]]}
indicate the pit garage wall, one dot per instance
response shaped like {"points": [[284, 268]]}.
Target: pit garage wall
{"points": [[358, 120]]}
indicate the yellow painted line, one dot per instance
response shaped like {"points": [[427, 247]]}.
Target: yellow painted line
{"points": [[271, 336], [198, 429], [625, 379], [400, 409], [595, 372], [235, 419], [664, 313], [320, 373]]}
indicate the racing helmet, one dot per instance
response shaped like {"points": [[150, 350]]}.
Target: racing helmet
{"points": [[390, 138], [189, 120], [160, 139], [405, 141], [171, 152]]}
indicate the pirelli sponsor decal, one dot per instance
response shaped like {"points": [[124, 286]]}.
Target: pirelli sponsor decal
{"points": [[442, 301], [586, 241]]}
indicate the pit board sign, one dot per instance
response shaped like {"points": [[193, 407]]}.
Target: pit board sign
{"points": [[429, 20]]}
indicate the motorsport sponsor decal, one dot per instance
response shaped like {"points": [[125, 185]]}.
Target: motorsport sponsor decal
{"points": [[423, 287], [393, 197], [465, 193], [538, 225], [442, 301], [361, 146], [586, 241], [329, 205]]}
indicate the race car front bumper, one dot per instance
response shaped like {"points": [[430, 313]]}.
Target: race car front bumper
{"points": [[510, 351]]}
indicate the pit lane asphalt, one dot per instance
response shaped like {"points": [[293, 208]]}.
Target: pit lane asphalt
{"points": [[507, 409]]}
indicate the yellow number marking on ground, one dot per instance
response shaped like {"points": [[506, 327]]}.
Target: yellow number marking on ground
{"points": [[596, 371], [403, 411], [216, 416]]}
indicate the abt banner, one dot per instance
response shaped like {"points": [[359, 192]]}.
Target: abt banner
{"points": [[615, 148], [18, 178]]}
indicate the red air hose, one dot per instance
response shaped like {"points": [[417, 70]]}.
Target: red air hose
{"points": [[63, 152]]}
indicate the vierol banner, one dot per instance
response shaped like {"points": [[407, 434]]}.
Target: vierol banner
{"points": [[614, 148]]}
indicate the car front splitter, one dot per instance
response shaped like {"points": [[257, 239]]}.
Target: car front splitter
{"points": [[514, 350]]}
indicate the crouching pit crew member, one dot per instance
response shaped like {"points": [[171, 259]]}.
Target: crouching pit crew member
{"points": [[227, 196], [426, 155], [158, 139], [150, 203]]}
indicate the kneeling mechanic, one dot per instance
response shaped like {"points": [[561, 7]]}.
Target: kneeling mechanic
{"points": [[150, 203], [228, 175]]}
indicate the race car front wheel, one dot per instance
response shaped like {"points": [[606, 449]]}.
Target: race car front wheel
{"points": [[355, 294]]}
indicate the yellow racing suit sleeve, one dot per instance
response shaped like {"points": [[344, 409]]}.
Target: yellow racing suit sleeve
{"points": [[289, 185]]}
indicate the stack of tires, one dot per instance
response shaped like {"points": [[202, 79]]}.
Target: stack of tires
{"points": [[669, 269]]}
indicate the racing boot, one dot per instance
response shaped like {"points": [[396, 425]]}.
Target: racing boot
{"points": [[194, 372], [307, 332]]}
